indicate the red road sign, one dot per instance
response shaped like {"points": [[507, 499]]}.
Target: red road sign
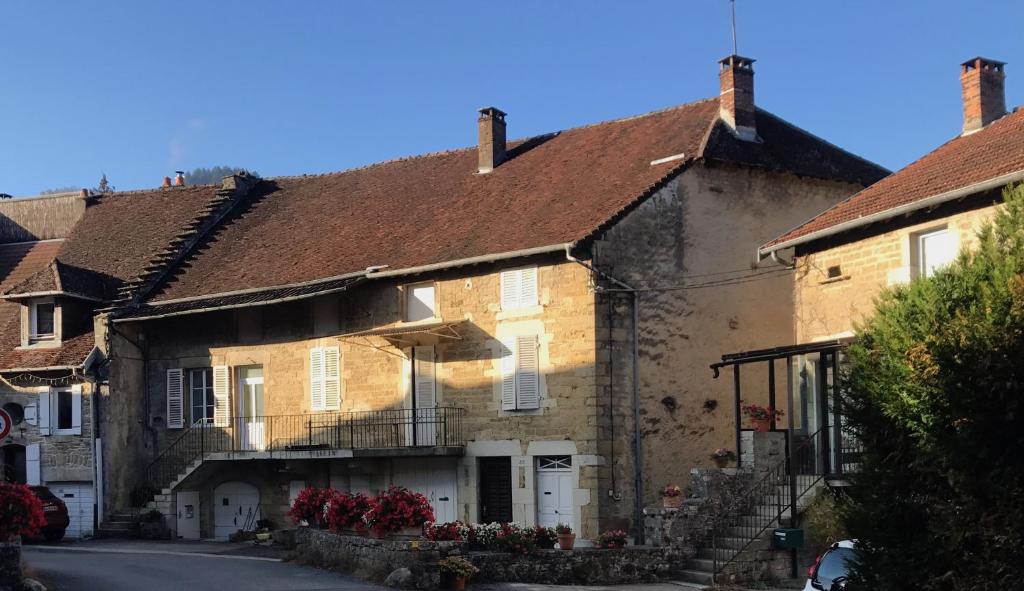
{"points": [[5, 423]]}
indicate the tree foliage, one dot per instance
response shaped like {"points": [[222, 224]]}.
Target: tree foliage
{"points": [[213, 175], [934, 391]]}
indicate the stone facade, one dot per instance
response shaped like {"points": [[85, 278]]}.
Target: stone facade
{"points": [[832, 307]]}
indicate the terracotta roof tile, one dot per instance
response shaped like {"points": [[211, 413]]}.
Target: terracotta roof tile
{"points": [[996, 150], [554, 189]]}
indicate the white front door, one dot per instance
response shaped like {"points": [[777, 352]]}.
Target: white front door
{"points": [[188, 514], [250, 398], [78, 497], [554, 491], [236, 506], [435, 479]]}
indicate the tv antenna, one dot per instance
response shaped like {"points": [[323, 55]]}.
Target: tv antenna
{"points": [[732, 6]]}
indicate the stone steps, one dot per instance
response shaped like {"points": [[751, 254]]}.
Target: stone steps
{"points": [[696, 576]]}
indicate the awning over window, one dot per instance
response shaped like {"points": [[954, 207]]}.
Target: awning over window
{"points": [[413, 333]]}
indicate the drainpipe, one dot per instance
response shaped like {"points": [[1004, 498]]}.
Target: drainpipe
{"points": [[638, 470]]}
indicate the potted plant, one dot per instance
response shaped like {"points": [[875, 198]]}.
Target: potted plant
{"points": [[723, 456], [566, 538], [264, 528], [459, 569], [22, 515], [345, 512], [151, 525], [455, 531], [398, 510], [762, 416], [612, 539], [545, 537], [309, 506], [672, 496]]}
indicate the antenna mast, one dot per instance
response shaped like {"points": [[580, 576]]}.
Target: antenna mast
{"points": [[732, 5]]}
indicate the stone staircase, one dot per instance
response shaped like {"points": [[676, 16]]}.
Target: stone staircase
{"points": [[119, 524]]}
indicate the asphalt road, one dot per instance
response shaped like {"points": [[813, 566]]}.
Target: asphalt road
{"points": [[75, 570]]}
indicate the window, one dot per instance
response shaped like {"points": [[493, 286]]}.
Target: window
{"points": [[41, 321], [934, 250], [63, 410], [554, 463], [520, 373], [419, 302], [519, 288], [201, 394], [324, 378]]}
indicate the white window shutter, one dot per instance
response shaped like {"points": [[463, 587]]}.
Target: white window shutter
{"points": [[332, 378], [426, 395], [508, 374], [221, 396], [76, 409], [527, 373], [31, 415], [316, 379], [44, 412], [32, 475], [175, 398], [528, 287], [511, 288]]}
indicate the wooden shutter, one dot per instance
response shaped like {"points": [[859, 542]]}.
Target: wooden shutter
{"points": [[527, 373], [332, 378], [32, 475], [511, 287], [31, 414], [508, 374], [316, 379], [76, 409], [528, 287], [426, 395], [221, 396], [44, 412], [175, 399]]}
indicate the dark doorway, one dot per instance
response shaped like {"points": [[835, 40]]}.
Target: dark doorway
{"points": [[495, 490], [13, 457]]}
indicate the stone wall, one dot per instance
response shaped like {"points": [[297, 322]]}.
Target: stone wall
{"points": [[830, 307], [374, 560], [704, 226]]}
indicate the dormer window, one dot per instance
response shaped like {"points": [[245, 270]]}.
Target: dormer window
{"points": [[41, 321]]}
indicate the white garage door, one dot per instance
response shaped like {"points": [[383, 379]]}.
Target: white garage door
{"points": [[436, 479], [78, 496], [236, 505]]}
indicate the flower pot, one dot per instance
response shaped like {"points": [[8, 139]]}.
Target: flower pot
{"points": [[762, 425], [458, 583], [672, 502], [721, 462], [566, 541]]}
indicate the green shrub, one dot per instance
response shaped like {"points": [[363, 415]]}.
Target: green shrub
{"points": [[935, 391]]}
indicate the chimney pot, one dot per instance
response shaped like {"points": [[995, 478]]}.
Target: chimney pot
{"points": [[84, 193], [983, 87], [167, 182], [179, 178], [492, 147], [736, 96]]}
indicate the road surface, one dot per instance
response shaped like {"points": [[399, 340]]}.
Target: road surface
{"points": [[73, 568]]}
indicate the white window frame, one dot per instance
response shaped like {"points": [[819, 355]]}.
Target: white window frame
{"points": [[206, 391], [75, 420], [33, 322], [920, 254], [519, 288], [409, 290]]}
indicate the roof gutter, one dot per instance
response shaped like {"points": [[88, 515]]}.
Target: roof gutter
{"points": [[925, 203]]}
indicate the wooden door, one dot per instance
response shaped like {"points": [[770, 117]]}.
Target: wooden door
{"points": [[495, 477]]}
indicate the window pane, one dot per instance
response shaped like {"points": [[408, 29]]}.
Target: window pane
{"points": [[63, 409], [937, 251], [44, 319], [419, 303], [251, 372], [201, 394]]}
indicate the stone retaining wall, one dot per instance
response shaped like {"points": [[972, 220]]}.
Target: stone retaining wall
{"points": [[374, 560]]}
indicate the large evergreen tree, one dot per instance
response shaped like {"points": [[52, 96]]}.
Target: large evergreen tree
{"points": [[934, 390]]}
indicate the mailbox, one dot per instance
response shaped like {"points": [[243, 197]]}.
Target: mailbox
{"points": [[788, 538]]}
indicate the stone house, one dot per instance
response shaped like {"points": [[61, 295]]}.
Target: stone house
{"points": [[505, 328], [46, 349]]}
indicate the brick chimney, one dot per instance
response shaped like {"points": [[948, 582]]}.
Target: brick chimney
{"points": [[491, 149], [736, 96], [982, 83]]}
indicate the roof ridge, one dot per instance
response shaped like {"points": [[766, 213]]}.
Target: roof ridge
{"points": [[520, 140], [131, 192]]}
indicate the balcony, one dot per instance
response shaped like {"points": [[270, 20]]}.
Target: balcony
{"points": [[378, 433]]}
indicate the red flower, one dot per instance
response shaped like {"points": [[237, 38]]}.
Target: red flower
{"points": [[21, 511], [396, 508], [310, 506], [345, 510]]}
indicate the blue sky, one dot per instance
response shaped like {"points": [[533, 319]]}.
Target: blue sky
{"points": [[139, 89]]}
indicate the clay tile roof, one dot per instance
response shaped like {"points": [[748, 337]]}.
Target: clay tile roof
{"points": [[19, 262], [992, 152], [554, 189]]}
